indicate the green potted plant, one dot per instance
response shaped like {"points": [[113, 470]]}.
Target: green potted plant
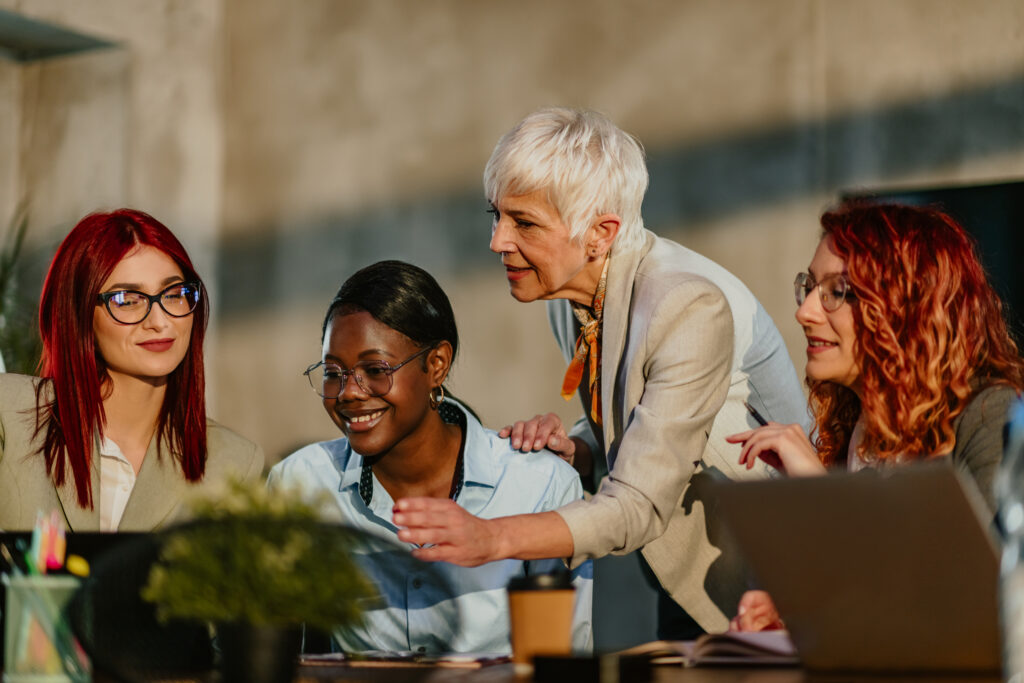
{"points": [[258, 565], [19, 328]]}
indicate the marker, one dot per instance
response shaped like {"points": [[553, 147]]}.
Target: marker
{"points": [[757, 416]]}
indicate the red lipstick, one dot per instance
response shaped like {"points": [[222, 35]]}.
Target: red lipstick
{"points": [[157, 345]]}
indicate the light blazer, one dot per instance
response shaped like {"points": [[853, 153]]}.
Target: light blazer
{"points": [[683, 344], [160, 488]]}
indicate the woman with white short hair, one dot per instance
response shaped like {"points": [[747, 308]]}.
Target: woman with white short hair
{"points": [[663, 345]]}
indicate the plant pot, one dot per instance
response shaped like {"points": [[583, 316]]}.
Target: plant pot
{"points": [[258, 654]]}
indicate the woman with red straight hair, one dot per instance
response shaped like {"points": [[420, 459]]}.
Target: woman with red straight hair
{"points": [[114, 432], [909, 357]]}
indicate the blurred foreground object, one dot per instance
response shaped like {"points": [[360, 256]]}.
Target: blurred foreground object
{"points": [[253, 564], [37, 641], [261, 558], [1010, 496], [19, 332]]}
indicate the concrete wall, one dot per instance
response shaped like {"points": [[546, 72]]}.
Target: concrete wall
{"points": [[291, 143], [363, 132], [139, 124]]}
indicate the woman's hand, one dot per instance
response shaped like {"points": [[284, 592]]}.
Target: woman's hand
{"points": [[784, 447], [756, 612], [543, 431], [446, 532]]}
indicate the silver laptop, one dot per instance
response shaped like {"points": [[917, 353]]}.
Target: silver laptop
{"points": [[872, 571]]}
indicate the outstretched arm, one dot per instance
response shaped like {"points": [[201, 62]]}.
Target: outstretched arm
{"points": [[451, 534], [686, 354]]}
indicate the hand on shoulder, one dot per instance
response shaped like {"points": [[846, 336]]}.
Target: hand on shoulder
{"points": [[538, 433]]}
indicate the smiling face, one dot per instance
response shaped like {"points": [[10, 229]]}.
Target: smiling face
{"points": [[830, 334], [152, 349], [541, 260], [376, 424]]}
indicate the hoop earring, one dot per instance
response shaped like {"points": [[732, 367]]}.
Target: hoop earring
{"points": [[435, 401]]}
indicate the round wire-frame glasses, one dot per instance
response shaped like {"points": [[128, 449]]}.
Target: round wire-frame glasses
{"points": [[372, 376], [833, 290]]}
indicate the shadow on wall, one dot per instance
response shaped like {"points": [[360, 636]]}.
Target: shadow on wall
{"points": [[994, 215], [689, 185], [701, 182], [25, 40]]}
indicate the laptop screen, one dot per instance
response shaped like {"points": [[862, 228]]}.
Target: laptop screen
{"points": [[892, 571]]}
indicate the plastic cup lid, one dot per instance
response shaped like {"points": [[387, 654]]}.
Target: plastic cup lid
{"points": [[541, 582]]}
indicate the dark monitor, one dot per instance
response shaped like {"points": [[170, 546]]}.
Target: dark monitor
{"points": [[994, 215]]}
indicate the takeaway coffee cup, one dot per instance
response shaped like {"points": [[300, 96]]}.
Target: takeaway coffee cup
{"points": [[540, 609]]}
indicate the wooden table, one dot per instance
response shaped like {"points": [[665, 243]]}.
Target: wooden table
{"points": [[503, 673]]}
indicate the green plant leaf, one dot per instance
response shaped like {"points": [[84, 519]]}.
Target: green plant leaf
{"points": [[260, 557]]}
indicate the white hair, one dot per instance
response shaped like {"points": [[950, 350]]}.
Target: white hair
{"points": [[587, 165]]}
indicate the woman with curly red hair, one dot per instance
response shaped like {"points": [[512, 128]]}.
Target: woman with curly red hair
{"points": [[114, 433], [909, 357]]}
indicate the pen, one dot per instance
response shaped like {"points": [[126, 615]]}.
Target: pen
{"points": [[757, 416]]}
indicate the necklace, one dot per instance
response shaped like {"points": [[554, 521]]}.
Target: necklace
{"points": [[450, 415]]}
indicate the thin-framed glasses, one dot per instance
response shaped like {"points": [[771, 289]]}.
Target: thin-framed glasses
{"points": [[833, 290], [130, 307], [372, 376]]}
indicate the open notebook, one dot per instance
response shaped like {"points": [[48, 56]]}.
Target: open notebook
{"points": [[874, 572], [766, 648]]}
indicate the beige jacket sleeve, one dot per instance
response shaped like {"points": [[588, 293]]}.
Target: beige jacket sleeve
{"points": [[677, 361]]}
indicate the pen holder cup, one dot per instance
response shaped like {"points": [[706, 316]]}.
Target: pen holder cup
{"points": [[38, 644]]}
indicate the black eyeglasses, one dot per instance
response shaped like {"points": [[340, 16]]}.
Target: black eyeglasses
{"points": [[130, 307], [373, 376], [833, 290]]}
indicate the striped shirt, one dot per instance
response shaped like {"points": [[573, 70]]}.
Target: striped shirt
{"points": [[440, 607]]}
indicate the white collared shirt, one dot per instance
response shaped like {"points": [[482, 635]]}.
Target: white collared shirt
{"points": [[117, 479]]}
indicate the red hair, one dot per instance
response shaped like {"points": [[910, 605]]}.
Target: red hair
{"points": [[73, 417], [930, 333]]}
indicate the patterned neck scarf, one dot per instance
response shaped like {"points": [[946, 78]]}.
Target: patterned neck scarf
{"points": [[588, 344]]}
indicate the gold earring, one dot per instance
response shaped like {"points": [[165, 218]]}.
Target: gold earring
{"points": [[435, 401]]}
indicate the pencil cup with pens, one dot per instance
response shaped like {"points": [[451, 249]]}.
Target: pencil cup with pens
{"points": [[38, 644]]}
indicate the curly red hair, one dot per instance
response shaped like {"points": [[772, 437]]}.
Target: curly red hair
{"points": [[930, 333]]}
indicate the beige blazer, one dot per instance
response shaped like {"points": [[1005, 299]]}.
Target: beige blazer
{"points": [[684, 343], [160, 488]]}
